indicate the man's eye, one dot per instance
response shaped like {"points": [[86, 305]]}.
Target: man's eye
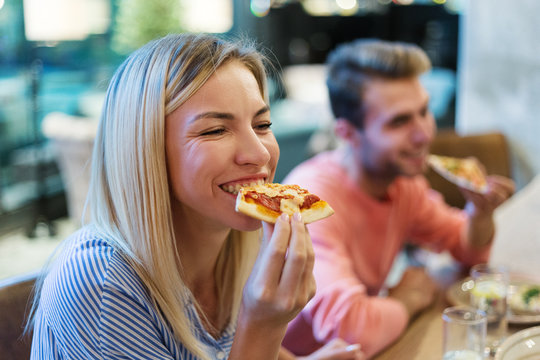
{"points": [[213, 132], [399, 121]]}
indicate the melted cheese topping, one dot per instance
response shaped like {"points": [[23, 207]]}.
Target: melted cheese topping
{"points": [[292, 195], [273, 190], [290, 206]]}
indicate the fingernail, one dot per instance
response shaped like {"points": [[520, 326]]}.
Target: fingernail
{"points": [[284, 217], [352, 348], [297, 216]]}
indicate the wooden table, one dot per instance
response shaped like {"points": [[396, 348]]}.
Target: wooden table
{"points": [[423, 338]]}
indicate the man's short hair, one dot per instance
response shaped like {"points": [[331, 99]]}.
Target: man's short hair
{"points": [[351, 65]]}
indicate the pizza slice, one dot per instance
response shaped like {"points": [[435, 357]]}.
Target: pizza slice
{"points": [[464, 172], [268, 201]]}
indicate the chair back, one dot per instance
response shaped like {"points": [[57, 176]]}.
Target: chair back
{"points": [[15, 304]]}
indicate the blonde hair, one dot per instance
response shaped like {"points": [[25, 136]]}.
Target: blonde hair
{"points": [[129, 195]]}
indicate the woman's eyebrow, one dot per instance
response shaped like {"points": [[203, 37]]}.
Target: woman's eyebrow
{"points": [[211, 114], [263, 110], [223, 115]]}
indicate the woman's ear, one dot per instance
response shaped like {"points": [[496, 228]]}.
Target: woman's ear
{"points": [[346, 131]]}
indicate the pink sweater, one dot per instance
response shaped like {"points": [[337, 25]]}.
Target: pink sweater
{"points": [[355, 249]]}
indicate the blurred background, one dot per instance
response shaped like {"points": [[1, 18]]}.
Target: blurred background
{"points": [[57, 56]]}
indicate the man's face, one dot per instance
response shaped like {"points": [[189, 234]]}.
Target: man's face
{"points": [[398, 128]]}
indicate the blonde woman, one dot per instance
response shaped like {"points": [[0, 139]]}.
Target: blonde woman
{"points": [[166, 269]]}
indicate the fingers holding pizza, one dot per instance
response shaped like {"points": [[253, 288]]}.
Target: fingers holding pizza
{"points": [[281, 282], [486, 193], [498, 190]]}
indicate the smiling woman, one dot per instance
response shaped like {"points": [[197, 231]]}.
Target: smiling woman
{"points": [[164, 254], [227, 123], [160, 253]]}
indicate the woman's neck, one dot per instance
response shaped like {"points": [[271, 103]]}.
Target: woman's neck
{"points": [[199, 247]]}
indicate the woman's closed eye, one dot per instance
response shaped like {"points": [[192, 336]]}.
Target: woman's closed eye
{"points": [[263, 126], [213, 132], [260, 127]]}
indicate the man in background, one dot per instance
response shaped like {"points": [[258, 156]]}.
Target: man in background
{"points": [[381, 200]]}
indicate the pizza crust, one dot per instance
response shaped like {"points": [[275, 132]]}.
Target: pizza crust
{"points": [[318, 210], [255, 211]]}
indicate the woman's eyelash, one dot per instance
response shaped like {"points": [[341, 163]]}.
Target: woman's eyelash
{"points": [[219, 131], [213, 132], [264, 126]]}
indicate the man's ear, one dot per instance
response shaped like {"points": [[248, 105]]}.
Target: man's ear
{"points": [[346, 131]]}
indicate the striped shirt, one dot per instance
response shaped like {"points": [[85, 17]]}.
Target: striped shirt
{"points": [[94, 306]]}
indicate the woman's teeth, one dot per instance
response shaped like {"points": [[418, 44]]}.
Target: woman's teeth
{"points": [[234, 189]]}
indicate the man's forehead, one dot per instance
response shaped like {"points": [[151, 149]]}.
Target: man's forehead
{"points": [[394, 95]]}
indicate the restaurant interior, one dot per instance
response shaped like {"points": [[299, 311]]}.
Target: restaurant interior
{"points": [[56, 58]]}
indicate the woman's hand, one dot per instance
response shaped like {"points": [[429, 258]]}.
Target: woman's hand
{"points": [[337, 349], [281, 282], [280, 285]]}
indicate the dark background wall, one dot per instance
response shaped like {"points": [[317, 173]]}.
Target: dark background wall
{"points": [[288, 28]]}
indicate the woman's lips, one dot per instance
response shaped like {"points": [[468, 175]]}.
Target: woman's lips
{"points": [[234, 188]]}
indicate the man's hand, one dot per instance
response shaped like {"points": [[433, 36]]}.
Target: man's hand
{"points": [[416, 290], [480, 208], [499, 189]]}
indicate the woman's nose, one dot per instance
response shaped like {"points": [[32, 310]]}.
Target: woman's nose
{"points": [[251, 150]]}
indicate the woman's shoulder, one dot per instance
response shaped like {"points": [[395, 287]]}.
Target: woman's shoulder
{"points": [[88, 240], [87, 266], [87, 249], [92, 291]]}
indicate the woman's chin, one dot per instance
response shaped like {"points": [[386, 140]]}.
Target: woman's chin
{"points": [[247, 223]]}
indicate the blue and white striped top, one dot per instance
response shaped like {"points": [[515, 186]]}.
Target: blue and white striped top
{"points": [[94, 306]]}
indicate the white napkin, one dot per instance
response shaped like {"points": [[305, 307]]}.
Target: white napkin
{"points": [[517, 238]]}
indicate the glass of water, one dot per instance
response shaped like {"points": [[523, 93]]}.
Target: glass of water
{"points": [[464, 333], [489, 294]]}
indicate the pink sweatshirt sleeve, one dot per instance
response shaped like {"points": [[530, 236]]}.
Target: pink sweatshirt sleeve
{"points": [[343, 308], [441, 227]]}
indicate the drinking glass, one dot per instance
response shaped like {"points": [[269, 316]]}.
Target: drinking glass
{"points": [[464, 333], [489, 294]]}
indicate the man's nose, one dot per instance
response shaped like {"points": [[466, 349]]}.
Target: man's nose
{"points": [[424, 129]]}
